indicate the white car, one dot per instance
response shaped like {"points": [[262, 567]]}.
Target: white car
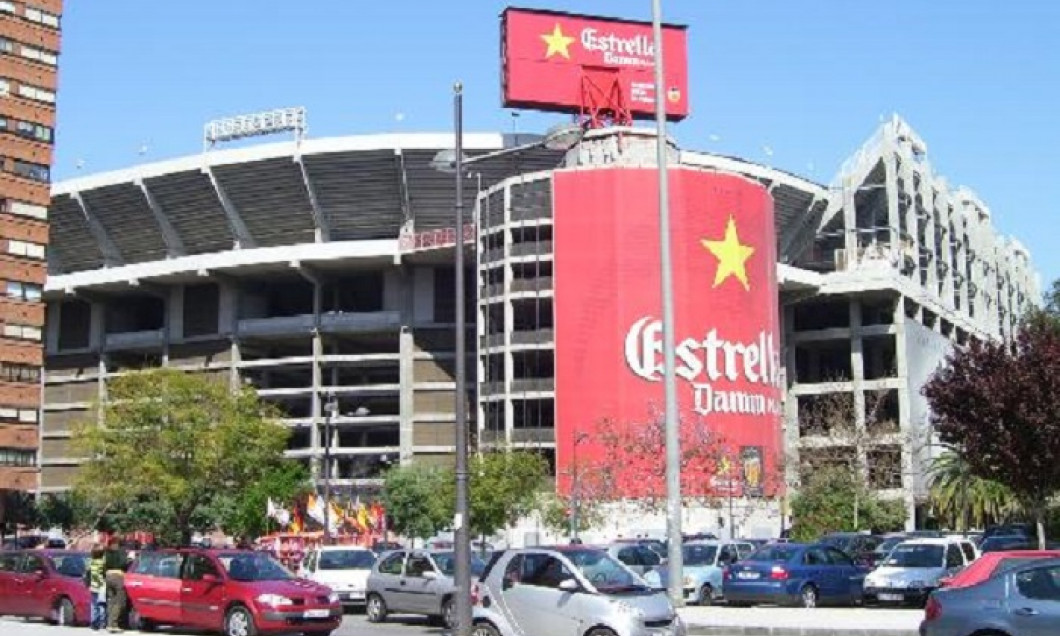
{"points": [[914, 568], [343, 568]]}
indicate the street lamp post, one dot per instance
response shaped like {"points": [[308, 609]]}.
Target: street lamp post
{"points": [[462, 626], [675, 563], [330, 407], [575, 511]]}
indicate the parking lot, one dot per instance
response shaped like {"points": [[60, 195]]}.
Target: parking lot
{"points": [[715, 621]]}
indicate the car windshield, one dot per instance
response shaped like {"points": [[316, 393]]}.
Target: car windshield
{"points": [[773, 553], [843, 542], [604, 571], [253, 566], [446, 562], [699, 554], [73, 565], [346, 560], [915, 556]]}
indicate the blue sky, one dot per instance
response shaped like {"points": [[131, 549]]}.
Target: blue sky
{"points": [[809, 80]]}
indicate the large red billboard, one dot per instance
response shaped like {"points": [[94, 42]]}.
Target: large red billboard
{"points": [[558, 61], [608, 329]]}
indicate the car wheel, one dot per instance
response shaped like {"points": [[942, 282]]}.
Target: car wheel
{"points": [[64, 613], [706, 595], [449, 613], [601, 631], [808, 596], [239, 622], [375, 609], [484, 629], [137, 622]]}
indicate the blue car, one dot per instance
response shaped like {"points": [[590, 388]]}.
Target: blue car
{"points": [[795, 574], [704, 563]]}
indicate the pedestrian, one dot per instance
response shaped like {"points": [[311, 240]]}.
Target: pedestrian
{"points": [[115, 561], [97, 586]]}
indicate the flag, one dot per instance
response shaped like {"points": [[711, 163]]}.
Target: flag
{"points": [[315, 509], [362, 518], [297, 525], [277, 512], [336, 516]]}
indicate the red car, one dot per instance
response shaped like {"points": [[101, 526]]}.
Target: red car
{"points": [[46, 584], [236, 592], [991, 563]]}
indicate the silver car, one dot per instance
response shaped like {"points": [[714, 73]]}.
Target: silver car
{"points": [[568, 591], [1024, 600], [913, 569], [414, 582]]}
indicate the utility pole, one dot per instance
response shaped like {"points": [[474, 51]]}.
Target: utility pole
{"points": [[330, 407], [674, 555]]}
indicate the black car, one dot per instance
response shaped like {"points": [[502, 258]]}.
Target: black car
{"points": [[1002, 543], [859, 547]]}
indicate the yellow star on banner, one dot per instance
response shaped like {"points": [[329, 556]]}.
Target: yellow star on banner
{"points": [[557, 43], [732, 256]]}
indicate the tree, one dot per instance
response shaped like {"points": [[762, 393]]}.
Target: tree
{"points": [[171, 443], [504, 487], [834, 499], [418, 499], [631, 463], [242, 512], [998, 405], [556, 513], [964, 500]]}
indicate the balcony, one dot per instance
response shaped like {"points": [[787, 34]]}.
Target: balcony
{"points": [[277, 326], [347, 322], [531, 248], [532, 285], [533, 385], [536, 337], [135, 340]]}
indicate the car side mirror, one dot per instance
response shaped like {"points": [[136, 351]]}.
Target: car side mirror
{"points": [[507, 583], [430, 575], [569, 585]]}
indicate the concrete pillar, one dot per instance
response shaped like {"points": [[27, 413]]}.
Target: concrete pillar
{"points": [[791, 403], [316, 405], [175, 312], [97, 329], [904, 414], [890, 165], [850, 235], [509, 321], [857, 368], [407, 362], [911, 241]]}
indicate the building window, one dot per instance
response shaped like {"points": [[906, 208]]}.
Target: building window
{"points": [[7, 7], [17, 415], [38, 55], [22, 332], [42, 17], [27, 249], [17, 457], [35, 92], [12, 372], [6, 46], [29, 210], [27, 129], [35, 171], [23, 291]]}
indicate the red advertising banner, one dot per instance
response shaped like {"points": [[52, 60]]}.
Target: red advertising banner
{"points": [[608, 328], [555, 61]]}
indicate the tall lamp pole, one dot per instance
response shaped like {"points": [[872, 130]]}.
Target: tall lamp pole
{"points": [[462, 626], [330, 407], [675, 563]]}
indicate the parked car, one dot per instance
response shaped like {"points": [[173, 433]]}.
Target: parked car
{"points": [[992, 563], [563, 590], [913, 570], [636, 556], [795, 574], [342, 568], [703, 571], [414, 582], [1024, 601], [887, 543], [858, 546], [228, 591], [1004, 543], [1027, 530], [657, 546], [46, 584], [380, 547]]}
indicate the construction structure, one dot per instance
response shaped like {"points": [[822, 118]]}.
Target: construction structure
{"points": [[322, 268], [29, 58]]}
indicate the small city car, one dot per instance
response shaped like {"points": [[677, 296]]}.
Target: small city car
{"points": [[795, 574], [46, 584], [568, 590], [343, 568], [1023, 601], [414, 582], [237, 592], [704, 567], [913, 569]]}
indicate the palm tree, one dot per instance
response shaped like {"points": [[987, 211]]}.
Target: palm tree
{"points": [[964, 500]]}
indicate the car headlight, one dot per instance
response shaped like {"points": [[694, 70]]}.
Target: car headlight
{"points": [[274, 600], [333, 597]]}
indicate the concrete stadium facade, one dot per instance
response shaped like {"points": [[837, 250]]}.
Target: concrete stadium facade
{"points": [[324, 268]]}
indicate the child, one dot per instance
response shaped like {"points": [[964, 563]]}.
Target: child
{"points": [[97, 585]]}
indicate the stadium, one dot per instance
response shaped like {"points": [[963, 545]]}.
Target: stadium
{"points": [[321, 272]]}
